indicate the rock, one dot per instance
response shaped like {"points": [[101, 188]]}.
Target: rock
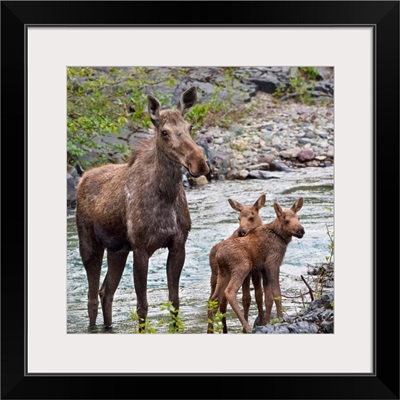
{"points": [[318, 318], [277, 166], [71, 192], [117, 158], [309, 135], [303, 140], [268, 83], [200, 181], [261, 167], [276, 141], [137, 136], [330, 153], [185, 181], [325, 73], [268, 158], [305, 155], [257, 174], [286, 154], [231, 174], [239, 145], [243, 174], [322, 134]]}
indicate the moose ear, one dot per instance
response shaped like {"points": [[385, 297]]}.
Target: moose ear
{"points": [[154, 109], [297, 205], [187, 100], [235, 205], [278, 209], [260, 202]]}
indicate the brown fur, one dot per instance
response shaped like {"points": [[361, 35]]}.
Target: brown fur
{"points": [[262, 249], [249, 219], [139, 206]]}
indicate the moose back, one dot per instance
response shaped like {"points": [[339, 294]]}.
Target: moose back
{"points": [[139, 206]]}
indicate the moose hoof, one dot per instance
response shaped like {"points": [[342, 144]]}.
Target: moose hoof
{"points": [[92, 329]]}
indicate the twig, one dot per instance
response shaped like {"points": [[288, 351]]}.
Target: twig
{"points": [[309, 288], [294, 297]]}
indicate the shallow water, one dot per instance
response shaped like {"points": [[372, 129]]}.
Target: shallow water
{"points": [[212, 221]]}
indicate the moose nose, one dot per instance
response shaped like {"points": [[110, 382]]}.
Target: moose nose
{"points": [[198, 168], [300, 232], [242, 233]]}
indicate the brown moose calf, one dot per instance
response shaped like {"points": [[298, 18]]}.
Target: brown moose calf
{"points": [[263, 249], [249, 218]]}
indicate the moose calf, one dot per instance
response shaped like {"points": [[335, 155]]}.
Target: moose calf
{"points": [[262, 249], [249, 218]]}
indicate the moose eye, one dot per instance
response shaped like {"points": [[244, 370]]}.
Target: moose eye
{"points": [[286, 221], [251, 219], [164, 133]]}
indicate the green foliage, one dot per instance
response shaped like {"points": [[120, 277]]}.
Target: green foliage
{"points": [[175, 324], [219, 110], [105, 101], [309, 72], [174, 321], [212, 305], [300, 86], [275, 321], [141, 327]]}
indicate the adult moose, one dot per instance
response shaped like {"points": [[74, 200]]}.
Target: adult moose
{"points": [[139, 206]]}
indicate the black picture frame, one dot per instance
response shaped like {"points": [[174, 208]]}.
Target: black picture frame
{"points": [[383, 383]]}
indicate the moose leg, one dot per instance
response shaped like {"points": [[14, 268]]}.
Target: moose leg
{"points": [[211, 311], [218, 295], [116, 264], [92, 265], [103, 285], [276, 292], [246, 297], [140, 270], [268, 298], [175, 261], [258, 293], [213, 284], [231, 291], [223, 308]]}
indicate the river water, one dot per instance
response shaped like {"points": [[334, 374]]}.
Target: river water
{"points": [[212, 221]]}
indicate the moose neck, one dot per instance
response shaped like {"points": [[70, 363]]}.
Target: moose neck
{"points": [[167, 174], [154, 173], [276, 228], [158, 174]]}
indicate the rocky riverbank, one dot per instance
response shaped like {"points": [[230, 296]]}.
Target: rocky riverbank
{"points": [[272, 133], [303, 315], [273, 137]]}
